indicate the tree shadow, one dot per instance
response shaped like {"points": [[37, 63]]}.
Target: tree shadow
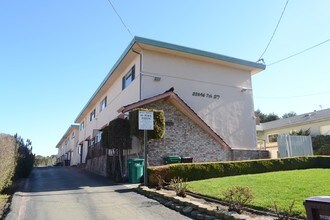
{"points": [[48, 179]]}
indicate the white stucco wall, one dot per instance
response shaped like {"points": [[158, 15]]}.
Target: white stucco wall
{"points": [[231, 116], [116, 98]]}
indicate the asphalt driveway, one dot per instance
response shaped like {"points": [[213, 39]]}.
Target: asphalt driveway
{"points": [[72, 193]]}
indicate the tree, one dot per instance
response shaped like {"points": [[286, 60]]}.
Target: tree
{"points": [[266, 117], [261, 115], [25, 158], [271, 117], [289, 114]]}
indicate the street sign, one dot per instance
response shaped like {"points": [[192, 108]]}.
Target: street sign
{"points": [[146, 120]]}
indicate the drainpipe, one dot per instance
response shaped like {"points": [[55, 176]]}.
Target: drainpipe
{"points": [[140, 95]]}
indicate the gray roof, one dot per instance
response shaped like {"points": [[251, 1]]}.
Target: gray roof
{"points": [[67, 133], [296, 120]]}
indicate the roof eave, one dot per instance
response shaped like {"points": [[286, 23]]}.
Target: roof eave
{"points": [[257, 67], [66, 134]]}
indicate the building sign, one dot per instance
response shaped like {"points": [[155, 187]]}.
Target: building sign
{"points": [[206, 95], [146, 120]]}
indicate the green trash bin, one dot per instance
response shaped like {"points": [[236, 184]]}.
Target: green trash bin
{"points": [[172, 159], [135, 169]]}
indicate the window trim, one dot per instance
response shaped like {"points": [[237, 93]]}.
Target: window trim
{"points": [[130, 73]]}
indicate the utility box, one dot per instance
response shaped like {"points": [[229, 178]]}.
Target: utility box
{"points": [[172, 159], [317, 208], [135, 170]]}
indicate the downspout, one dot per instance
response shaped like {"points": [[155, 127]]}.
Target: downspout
{"points": [[140, 92]]}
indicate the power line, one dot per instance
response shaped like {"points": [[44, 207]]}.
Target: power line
{"points": [[298, 96], [303, 51], [122, 21], [278, 23]]}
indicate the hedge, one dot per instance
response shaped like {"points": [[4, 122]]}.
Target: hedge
{"points": [[159, 124], [8, 147], [199, 171]]}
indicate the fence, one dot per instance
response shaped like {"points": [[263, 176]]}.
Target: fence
{"points": [[291, 146]]}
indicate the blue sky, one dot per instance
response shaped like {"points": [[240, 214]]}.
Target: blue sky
{"points": [[54, 54]]}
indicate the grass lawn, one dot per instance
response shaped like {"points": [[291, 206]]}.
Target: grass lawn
{"points": [[282, 187]]}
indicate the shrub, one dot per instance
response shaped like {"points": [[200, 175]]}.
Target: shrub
{"points": [[238, 197], [319, 141], [179, 186], [199, 171], [118, 134], [25, 158], [324, 150], [156, 173], [159, 124], [8, 160], [284, 214]]}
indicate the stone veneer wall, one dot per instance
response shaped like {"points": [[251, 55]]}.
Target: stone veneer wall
{"points": [[183, 138], [238, 154], [98, 165]]}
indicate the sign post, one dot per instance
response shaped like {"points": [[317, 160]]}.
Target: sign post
{"points": [[146, 122]]}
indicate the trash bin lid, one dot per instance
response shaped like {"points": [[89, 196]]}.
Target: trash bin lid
{"points": [[136, 159], [173, 157], [319, 199]]}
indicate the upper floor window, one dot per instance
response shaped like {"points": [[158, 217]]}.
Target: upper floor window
{"points": [[103, 104], [72, 136], [128, 78], [272, 138], [82, 126], [92, 115]]}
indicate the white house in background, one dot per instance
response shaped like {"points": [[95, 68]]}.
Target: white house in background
{"points": [[318, 123], [68, 146], [216, 87]]}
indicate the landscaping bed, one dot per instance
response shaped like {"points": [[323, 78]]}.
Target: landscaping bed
{"points": [[281, 187], [198, 208]]}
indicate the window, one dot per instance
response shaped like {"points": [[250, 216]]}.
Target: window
{"points": [[103, 104], [82, 126], [99, 136], [128, 78], [92, 115], [72, 136], [272, 138]]}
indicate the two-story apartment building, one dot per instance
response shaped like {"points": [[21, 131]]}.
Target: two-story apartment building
{"points": [[68, 146], [216, 87]]}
